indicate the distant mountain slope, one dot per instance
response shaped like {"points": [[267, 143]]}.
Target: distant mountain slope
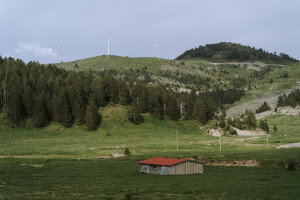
{"points": [[226, 51]]}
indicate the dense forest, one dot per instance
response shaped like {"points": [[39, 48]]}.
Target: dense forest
{"points": [[234, 52], [42, 94]]}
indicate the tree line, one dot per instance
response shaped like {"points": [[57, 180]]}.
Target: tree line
{"points": [[47, 93], [232, 51], [292, 99]]}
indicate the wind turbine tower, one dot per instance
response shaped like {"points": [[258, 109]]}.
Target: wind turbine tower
{"points": [[61, 52], [155, 46], [108, 38]]}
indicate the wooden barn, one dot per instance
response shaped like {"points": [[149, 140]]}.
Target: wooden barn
{"points": [[170, 166]]}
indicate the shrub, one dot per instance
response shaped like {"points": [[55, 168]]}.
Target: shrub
{"points": [[291, 164], [275, 128], [233, 132], [126, 152]]}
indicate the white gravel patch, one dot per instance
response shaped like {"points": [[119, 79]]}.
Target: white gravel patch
{"points": [[292, 145]]}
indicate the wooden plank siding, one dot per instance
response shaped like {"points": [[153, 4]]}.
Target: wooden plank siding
{"points": [[187, 167]]}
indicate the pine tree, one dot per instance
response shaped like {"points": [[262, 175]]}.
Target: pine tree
{"points": [[97, 92], [250, 119], [66, 117], [79, 112], [274, 128], [92, 118], [189, 107], [173, 109], [39, 112], [134, 114], [155, 102], [200, 111], [28, 100], [123, 92]]}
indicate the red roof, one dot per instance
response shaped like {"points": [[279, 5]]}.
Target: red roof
{"points": [[162, 161]]}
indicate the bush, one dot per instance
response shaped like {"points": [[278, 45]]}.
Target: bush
{"points": [[126, 152], [233, 132], [291, 164]]}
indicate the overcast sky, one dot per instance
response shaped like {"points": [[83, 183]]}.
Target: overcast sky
{"points": [[35, 29]]}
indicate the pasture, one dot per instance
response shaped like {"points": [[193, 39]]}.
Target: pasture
{"points": [[59, 163]]}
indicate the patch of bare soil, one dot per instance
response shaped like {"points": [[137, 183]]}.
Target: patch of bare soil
{"points": [[214, 132], [32, 165], [248, 133], [228, 163], [292, 145], [114, 155]]}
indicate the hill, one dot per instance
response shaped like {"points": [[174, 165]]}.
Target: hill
{"points": [[226, 51], [63, 159]]}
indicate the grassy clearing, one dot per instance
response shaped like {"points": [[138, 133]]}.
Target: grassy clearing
{"points": [[153, 136], [50, 163], [119, 179]]}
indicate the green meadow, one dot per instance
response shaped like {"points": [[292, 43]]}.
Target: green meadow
{"points": [[59, 163]]}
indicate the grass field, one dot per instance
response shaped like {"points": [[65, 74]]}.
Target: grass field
{"points": [[51, 163], [119, 179]]}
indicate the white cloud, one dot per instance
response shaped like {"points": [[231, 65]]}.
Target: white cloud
{"points": [[35, 48]]}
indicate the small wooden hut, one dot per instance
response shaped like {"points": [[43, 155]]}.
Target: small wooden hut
{"points": [[170, 166]]}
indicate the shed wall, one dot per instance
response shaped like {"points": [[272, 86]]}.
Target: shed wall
{"points": [[187, 167]]}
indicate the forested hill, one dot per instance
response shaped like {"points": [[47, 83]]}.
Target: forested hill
{"points": [[226, 51], [42, 94]]}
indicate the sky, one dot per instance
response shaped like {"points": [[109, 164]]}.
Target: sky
{"points": [[34, 30]]}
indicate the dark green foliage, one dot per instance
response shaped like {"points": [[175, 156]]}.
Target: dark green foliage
{"points": [[79, 112], [134, 114], [92, 117], [264, 107], [264, 125], [250, 119], [123, 92], [173, 109], [155, 102], [67, 94], [28, 100], [203, 110], [188, 107], [97, 92], [233, 132], [275, 128], [232, 51], [291, 164], [222, 122], [140, 95], [39, 112], [285, 75], [127, 152], [66, 117], [292, 99]]}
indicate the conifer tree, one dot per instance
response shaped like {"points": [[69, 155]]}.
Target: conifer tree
{"points": [[92, 118], [134, 114], [39, 112], [173, 109], [66, 117], [200, 111], [123, 92]]}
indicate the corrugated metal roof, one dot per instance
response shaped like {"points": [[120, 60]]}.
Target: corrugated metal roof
{"points": [[163, 161]]}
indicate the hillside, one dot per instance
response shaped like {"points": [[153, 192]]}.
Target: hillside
{"points": [[200, 76], [46, 143], [226, 51]]}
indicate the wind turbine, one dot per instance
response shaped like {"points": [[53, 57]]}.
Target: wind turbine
{"points": [[61, 52], [108, 38], [155, 46]]}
